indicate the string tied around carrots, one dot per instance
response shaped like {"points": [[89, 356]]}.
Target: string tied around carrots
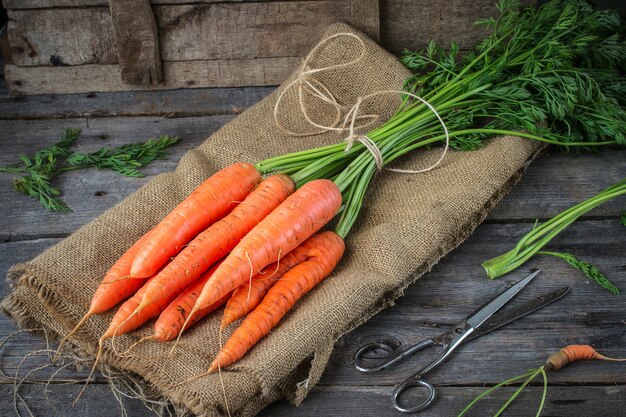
{"points": [[305, 81]]}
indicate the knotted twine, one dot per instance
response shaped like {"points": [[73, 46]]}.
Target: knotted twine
{"points": [[406, 225], [304, 81]]}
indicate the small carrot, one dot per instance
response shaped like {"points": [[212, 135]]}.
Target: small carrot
{"points": [[171, 320], [295, 220], [211, 201], [248, 295], [573, 353], [217, 241], [323, 254], [554, 362], [115, 287]]}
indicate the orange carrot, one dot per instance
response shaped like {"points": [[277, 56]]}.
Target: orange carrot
{"points": [[574, 353], [283, 230], [171, 320], [323, 254], [248, 295], [215, 242], [211, 201], [115, 287], [128, 318]]}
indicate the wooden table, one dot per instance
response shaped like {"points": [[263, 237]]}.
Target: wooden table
{"points": [[455, 287]]}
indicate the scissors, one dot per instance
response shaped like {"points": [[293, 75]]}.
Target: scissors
{"points": [[476, 324]]}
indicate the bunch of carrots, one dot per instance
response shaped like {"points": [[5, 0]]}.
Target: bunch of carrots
{"points": [[236, 240]]}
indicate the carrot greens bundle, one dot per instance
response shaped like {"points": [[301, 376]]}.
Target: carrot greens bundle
{"points": [[551, 74]]}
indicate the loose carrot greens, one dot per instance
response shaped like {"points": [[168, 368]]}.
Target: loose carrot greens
{"points": [[36, 172], [541, 235]]}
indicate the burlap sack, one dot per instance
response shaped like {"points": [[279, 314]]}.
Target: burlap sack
{"points": [[407, 224]]}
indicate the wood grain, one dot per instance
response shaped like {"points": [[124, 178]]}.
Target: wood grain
{"points": [[164, 103], [44, 4], [107, 78], [98, 401], [187, 32], [82, 36], [411, 24], [137, 41], [376, 402]]}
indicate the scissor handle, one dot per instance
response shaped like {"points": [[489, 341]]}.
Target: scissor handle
{"points": [[358, 356], [414, 381]]}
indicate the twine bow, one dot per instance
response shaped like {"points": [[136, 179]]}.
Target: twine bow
{"points": [[306, 82]]}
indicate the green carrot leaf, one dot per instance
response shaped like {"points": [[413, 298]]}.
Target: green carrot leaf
{"points": [[125, 159], [588, 269]]}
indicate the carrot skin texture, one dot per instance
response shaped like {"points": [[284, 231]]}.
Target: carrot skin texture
{"points": [[212, 200], [573, 353], [248, 295], [323, 256], [295, 220], [171, 320], [218, 240], [121, 324], [114, 286]]}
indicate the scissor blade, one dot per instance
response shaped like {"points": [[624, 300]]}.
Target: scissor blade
{"points": [[478, 318], [518, 312]]}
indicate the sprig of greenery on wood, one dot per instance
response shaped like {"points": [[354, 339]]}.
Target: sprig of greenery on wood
{"points": [[36, 172], [540, 235]]}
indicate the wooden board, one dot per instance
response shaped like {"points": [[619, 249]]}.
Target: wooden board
{"points": [[209, 35], [44, 4], [189, 32], [137, 41], [98, 401], [191, 74], [163, 103]]}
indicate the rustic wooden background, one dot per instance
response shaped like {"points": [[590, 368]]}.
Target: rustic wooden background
{"points": [[437, 301], [69, 46]]}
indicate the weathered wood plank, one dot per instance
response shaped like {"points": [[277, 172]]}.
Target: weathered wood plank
{"points": [[137, 41], [191, 74], [83, 36], [412, 24], [222, 31], [168, 103], [376, 402], [557, 181], [56, 400], [343, 401], [44, 4], [365, 16]]}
